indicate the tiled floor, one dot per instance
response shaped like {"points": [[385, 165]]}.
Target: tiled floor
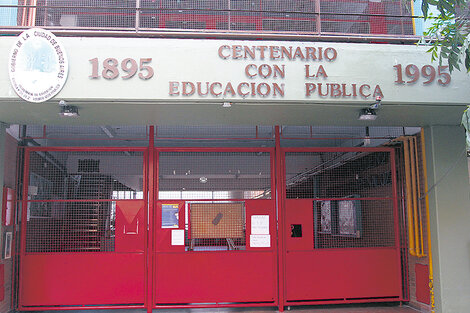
{"points": [[294, 309]]}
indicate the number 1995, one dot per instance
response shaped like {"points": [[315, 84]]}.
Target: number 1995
{"points": [[427, 72]]}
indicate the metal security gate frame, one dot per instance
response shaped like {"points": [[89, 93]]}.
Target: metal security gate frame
{"points": [[52, 279], [296, 271], [199, 276], [275, 256]]}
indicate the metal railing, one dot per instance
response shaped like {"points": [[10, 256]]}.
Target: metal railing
{"points": [[361, 18]]}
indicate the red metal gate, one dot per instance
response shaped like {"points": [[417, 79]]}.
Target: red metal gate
{"points": [[340, 224], [178, 227], [215, 228], [84, 230], [87, 243]]}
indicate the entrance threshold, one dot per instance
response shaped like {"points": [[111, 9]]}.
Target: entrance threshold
{"points": [[356, 308]]}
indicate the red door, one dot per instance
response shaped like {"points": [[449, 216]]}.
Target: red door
{"points": [[215, 228], [341, 226], [84, 240]]}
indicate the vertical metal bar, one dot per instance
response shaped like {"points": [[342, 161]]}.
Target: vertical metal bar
{"points": [[14, 245], [229, 18], [408, 198], [150, 234], [272, 160], [280, 217], [395, 214], [33, 18], [23, 222], [317, 16], [137, 15], [428, 221], [315, 213], [402, 207], [419, 217], [414, 197], [23, 15]]}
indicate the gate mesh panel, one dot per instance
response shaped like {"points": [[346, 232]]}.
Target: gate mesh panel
{"points": [[216, 226], [352, 196], [69, 198], [73, 175], [214, 175], [299, 16], [70, 132], [86, 13], [70, 227], [215, 132]]}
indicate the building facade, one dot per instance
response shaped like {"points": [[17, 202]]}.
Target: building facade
{"points": [[169, 154]]}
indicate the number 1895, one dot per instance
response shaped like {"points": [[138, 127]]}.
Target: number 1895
{"points": [[111, 68]]}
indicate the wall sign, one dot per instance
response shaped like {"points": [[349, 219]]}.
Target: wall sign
{"points": [[170, 71], [37, 65]]}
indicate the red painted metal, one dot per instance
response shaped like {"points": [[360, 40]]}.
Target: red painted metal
{"points": [[191, 149], [96, 149], [215, 276], [342, 274], [81, 307], [24, 208], [163, 236], [280, 196], [333, 149], [261, 207], [422, 283], [395, 215], [217, 305], [323, 276], [300, 212], [344, 301], [131, 226], [152, 191], [2, 282], [72, 280], [158, 275], [82, 278]]}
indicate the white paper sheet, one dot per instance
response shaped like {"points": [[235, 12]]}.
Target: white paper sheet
{"points": [[177, 237], [260, 224], [260, 241]]}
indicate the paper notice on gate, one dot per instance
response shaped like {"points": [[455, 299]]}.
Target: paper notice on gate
{"points": [[260, 224], [177, 237], [260, 241]]}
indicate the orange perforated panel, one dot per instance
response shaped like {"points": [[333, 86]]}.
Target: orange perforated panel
{"points": [[217, 220]]}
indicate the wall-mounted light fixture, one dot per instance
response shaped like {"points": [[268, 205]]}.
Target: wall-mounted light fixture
{"points": [[227, 104], [68, 110], [369, 113]]}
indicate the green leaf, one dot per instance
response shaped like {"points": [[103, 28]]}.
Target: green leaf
{"points": [[467, 59], [425, 8]]}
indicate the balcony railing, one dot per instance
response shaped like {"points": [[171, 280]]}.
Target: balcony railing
{"points": [[367, 18]]}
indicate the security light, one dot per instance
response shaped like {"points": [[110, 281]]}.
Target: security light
{"points": [[367, 115], [68, 110]]}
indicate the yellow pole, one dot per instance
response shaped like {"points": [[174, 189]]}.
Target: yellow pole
{"points": [[414, 197], [428, 223], [421, 252], [412, 5]]}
